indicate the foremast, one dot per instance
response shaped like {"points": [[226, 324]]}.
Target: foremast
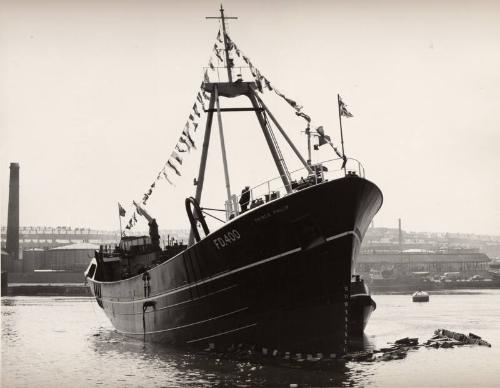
{"points": [[231, 89]]}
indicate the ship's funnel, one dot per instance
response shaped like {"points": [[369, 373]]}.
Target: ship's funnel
{"points": [[13, 216]]}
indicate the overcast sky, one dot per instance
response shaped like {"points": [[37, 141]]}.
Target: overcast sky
{"points": [[94, 95]]}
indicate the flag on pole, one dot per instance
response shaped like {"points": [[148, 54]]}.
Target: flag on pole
{"points": [[343, 109], [121, 210]]}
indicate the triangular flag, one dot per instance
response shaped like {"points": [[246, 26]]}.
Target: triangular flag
{"points": [[195, 109], [171, 165]]}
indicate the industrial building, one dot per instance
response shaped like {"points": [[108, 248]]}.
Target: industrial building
{"points": [[72, 258], [468, 262]]}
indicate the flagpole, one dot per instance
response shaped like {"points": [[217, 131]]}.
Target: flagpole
{"points": [[341, 133], [308, 133]]}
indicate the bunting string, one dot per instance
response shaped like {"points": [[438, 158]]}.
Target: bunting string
{"points": [[262, 81], [185, 142], [174, 163]]}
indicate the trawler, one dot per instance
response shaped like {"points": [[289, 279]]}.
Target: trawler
{"points": [[275, 275]]}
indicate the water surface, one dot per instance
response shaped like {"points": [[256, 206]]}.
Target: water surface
{"points": [[50, 342]]}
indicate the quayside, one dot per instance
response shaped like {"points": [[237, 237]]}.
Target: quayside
{"points": [[277, 273]]}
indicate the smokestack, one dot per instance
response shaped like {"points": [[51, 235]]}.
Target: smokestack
{"points": [[13, 216], [400, 235]]}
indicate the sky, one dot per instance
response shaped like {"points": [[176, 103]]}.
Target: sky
{"points": [[94, 95]]}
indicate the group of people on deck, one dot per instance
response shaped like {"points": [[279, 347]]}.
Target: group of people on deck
{"points": [[314, 178]]}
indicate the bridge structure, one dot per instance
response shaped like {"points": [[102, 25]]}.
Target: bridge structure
{"points": [[47, 237]]}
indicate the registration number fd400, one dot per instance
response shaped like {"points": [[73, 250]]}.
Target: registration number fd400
{"points": [[227, 239]]}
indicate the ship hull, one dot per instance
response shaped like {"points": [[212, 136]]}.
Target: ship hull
{"points": [[277, 276], [361, 307]]}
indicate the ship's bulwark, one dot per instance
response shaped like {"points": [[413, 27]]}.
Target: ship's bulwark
{"points": [[277, 276]]}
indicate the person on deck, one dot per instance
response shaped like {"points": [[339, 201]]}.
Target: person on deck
{"points": [[245, 199]]}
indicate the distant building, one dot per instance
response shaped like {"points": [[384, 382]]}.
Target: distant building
{"points": [[71, 258], [436, 263], [47, 237]]}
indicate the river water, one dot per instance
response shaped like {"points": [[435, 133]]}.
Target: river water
{"points": [[59, 342]]}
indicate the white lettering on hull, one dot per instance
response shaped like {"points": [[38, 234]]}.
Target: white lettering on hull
{"points": [[227, 239]]}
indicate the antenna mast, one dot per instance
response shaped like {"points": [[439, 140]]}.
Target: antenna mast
{"points": [[226, 48]]}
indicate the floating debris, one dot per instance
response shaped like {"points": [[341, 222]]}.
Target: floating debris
{"points": [[447, 339], [407, 341], [397, 350]]}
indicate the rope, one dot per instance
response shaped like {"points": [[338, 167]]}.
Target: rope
{"points": [[217, 218], [215, 210]]}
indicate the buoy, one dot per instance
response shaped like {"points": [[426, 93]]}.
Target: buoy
{"points": [[420, 296]]}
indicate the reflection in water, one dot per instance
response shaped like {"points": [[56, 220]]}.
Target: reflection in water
{"points": [[357, 344], [188, 366]]}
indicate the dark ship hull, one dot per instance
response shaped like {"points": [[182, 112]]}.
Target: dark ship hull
{"points": [[277, 276], [361, 306]]}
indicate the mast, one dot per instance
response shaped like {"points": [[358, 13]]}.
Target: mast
{"points": [[231, 90], [226, 48], [341, 133], [308, 134], [228, 64], [204, 154], [223, 149]]}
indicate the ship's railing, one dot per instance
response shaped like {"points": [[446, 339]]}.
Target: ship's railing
{"points": [[300, 179], [219, 73]]}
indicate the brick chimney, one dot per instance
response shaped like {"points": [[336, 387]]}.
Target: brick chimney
{"points": [[13, 217]]}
